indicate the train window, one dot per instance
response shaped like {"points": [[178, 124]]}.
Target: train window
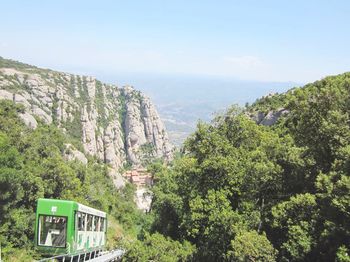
{"points": [[98, 223], [81, 221], [52, 231], [95, 223], [102, 222], [89, 223]]}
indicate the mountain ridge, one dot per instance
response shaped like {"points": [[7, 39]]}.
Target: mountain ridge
{"points": [[120, 126]]}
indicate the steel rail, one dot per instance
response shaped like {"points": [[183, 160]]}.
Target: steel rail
{"points": [[93, 256]]}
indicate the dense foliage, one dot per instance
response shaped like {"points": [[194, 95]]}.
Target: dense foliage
{"points": [[239, 192], [32, 166], [156, 247], [247, 192]]}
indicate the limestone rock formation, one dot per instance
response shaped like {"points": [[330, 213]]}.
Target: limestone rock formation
{"points": [[118, 180], [71, 153], [143, 199], [117, 125], [268, 119], [272, 117], [29, 120]]}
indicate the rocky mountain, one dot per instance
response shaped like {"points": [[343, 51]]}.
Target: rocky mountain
{"points": [[184, 99], [118, 125]]}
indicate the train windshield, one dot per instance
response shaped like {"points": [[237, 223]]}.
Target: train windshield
{"points": [[52, 231]]}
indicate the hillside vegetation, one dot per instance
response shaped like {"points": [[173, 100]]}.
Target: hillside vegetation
{"points": [[32, 167], [240, 191], [248, 192]]}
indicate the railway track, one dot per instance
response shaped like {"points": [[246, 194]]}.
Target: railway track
{"points": [[94, 256]]}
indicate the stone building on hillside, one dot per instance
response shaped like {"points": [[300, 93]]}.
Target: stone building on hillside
{"points": [[139, 177], [142, 179]]}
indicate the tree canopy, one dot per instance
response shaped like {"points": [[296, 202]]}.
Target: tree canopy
{"points": [[240, 191], [248, 192]]}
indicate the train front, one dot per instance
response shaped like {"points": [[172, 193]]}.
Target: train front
{"points": [[53, 227]]}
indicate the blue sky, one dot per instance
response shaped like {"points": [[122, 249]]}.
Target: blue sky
{"points": [[297, 41]]}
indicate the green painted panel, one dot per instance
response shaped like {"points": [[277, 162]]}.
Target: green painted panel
{"points": [[55, 211], [57, 208]]}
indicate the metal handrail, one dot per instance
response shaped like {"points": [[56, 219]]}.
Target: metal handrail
{"points": [[72, 256]]}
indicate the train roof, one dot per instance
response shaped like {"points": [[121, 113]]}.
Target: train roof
{"points": [[90, 210], [75, 205]]}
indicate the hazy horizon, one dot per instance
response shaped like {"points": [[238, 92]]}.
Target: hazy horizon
{"points": [[193, 58], [269, 41]]}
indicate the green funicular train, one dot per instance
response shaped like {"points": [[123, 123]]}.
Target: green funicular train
{"points": [[67, 227]]}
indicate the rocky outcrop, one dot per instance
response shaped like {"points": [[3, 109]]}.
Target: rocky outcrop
{"points": [[257, 117], [143, 199], [155, 130], [117, 125], [29, 120], [6, 95], [268, 119], [272, 117], [71, 153], [134, 127], [114, 146], [144, 131], [118, 180]]}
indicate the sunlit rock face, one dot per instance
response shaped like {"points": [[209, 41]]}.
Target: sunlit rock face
{"points": [[117, 125]]}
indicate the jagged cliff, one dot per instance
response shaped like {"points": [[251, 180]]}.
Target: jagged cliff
{"points": [[117, 125]]}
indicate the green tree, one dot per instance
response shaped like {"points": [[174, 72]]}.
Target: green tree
{"points": [[252, 247], [158, 248]]}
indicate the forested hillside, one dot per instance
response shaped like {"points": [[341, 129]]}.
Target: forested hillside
{"points": [[243, 189], [249, 192], [32, 166]]}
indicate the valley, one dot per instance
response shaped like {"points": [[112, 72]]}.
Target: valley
{"points": [[268, 181], [183, 100]]}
